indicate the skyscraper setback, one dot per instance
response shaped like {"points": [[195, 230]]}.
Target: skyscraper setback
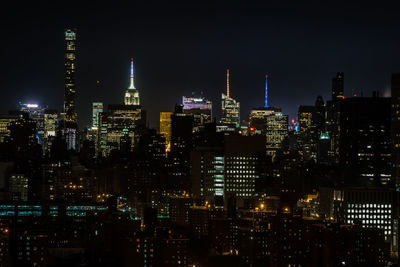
{"points": [[119, 124], [132, 94]]}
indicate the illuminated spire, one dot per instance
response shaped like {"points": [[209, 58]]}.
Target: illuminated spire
{"points": [[227, 83], [266, 91], [132, 86]]}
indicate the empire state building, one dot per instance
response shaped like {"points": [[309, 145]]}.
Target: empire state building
{"points": [[132, 94]]}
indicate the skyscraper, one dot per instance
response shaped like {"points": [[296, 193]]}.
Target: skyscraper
{"points": [[5, 122], [372, 206], [165, 128], [333, 113], [311, 124], [181, 142], [269, 122], [120, 123], [230, 108], [364, 143], [207, 173], [395, 128], [97, 108], [132, 94], [199, 107], [228, 170], [69, 67], [277, 130], [242, 155], [308, 135], [70, 124], [50, 129], [36, 112], [338, 86]]}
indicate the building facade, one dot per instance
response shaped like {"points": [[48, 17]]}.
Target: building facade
{"points": [[395, 128], [271, 123], [230, 109], [70, 125], [200, 108], [364, 144]]}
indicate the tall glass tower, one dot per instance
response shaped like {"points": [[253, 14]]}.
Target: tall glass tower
{"points": [[69, 66], [230, 108], [70, 127]]}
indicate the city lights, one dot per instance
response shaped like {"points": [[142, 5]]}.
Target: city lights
{"points": [[177, 159]]}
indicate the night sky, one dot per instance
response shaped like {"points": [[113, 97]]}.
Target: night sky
{"points": [[179, 49]]}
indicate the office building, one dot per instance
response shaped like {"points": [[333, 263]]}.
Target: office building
{"points": [[50, 129], [165, 128], [119, 122], [97, 108], [23, 133], [201, 216], [311, 123], [196, 102], [333, 114], [181, 142], [364, 145], [208, 174], [5, 122], [93, 132], [271, 123], [200, 108], [395, 128], [18, 186], [36, 112], [179, 207], [258, 117], [243, 158], [370, 207], [230, 109]]}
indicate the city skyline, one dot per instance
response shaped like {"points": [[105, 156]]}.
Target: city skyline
{"points": [[200, 135], [163, 64]]}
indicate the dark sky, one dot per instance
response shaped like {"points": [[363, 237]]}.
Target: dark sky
{"points": [[183, 48]]}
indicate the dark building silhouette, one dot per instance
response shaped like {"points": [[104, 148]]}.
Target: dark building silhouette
{"points": [[311, 122], [365, 139], [395, 128], [338, 86], [333, 114], [181, 144]]}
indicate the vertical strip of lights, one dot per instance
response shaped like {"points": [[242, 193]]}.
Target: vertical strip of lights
{"points": [[227, 83], [132, 86], [266, 91]]}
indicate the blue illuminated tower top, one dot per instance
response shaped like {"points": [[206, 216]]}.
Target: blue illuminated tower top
{"points": [[266, 91]]}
